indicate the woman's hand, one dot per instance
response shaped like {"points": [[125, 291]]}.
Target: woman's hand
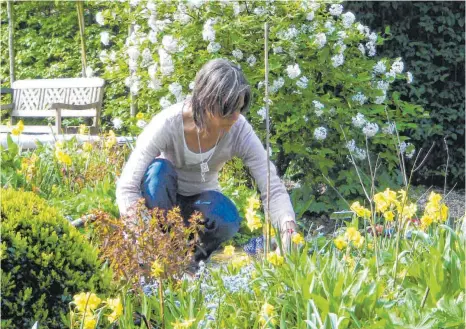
{"points": [[288, 229]]}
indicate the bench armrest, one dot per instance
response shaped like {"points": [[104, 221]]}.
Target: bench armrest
{"points": [[6, 107], [63, 106], [6, 91]]}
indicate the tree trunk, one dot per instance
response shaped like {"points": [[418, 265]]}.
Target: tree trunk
{"points": [[11, 50], [80, 11]]}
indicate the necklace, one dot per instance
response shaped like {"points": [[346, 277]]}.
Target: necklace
{"points": [[204, 164]]}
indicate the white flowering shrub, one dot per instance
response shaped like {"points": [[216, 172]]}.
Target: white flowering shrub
{"points": [[324, 75]]}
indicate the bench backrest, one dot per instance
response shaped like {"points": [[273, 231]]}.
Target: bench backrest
{"points": [[39, 94]]}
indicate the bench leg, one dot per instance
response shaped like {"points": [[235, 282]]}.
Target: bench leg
{"points": [[58, 121]]}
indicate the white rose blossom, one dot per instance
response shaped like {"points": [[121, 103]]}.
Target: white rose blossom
{"points": [[336, 9], [89, 72], [320, 133], [409, 77], [359, 120], [362, 49], [338, 60], [166, 62], [277, 50], [398, 66], [99, 18], [105, 38], [320, 40], [348, 19], [170, 44], [351, 145], [262, 112], [152, 70], [293, 71], [360, 153], [208, 33], [238, 54], [379, 68], [329, 26], [213, 47], [310, 16], [370, 129], [381, 99], [359, 98], [117, 123], [302, 82], [152, 37], [277, 84], [155, 84], [251, 60], [389, 129], [371, 51]]}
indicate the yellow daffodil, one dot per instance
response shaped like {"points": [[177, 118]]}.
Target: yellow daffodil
{"points": [[267, 314], [140, 116], [349, 261], [239, 262], [409, 211], [253, 203], [297, 238], [15, 132], [370, 246], [117, 309], [360, 210], [229, 250], [340, 243], [426, 221], [389, 216], [443, 212], [352, 234], [156, 269], [252, 220], [359, 242], [20, 125], [91, 299], [62, 157], [183, 325], [89, 322], [275, 259], [82, 129], [434, 198], [87, 147], [59, 145], [111, 140]]}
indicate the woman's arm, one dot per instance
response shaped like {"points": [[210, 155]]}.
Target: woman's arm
{"points": [[149, 145], [250, 149]]}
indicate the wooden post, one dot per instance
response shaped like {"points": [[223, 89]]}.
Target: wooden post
{"points": [[132, 98], [80, 11], [11, 50], [268, 223]]}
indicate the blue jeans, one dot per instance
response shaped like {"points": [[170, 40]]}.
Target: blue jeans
{"points": [[221, 219]]}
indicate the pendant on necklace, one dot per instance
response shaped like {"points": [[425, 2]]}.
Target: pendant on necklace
{"points": [[204, 167]]}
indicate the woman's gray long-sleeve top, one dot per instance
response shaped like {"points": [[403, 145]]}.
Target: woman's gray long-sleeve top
{"points": [[163, 137]]}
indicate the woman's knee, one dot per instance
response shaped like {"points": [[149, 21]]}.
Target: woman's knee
{"points": [[159, 184]]}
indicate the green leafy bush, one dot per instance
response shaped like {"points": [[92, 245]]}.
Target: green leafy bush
{"points": [[430, 35], [44, 261]]}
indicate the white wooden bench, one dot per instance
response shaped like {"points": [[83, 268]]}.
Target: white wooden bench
{"points": [[58, 98]]}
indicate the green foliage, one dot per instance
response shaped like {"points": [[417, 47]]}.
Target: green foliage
{"points": [[45, 261], [236, 184], [137, 65], [319, 286], [430, 37]]}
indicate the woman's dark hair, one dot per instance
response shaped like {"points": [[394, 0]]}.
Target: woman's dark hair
{"points": [[218, 89]]}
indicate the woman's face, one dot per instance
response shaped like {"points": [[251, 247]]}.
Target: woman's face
{"points": [[225, 122]]}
